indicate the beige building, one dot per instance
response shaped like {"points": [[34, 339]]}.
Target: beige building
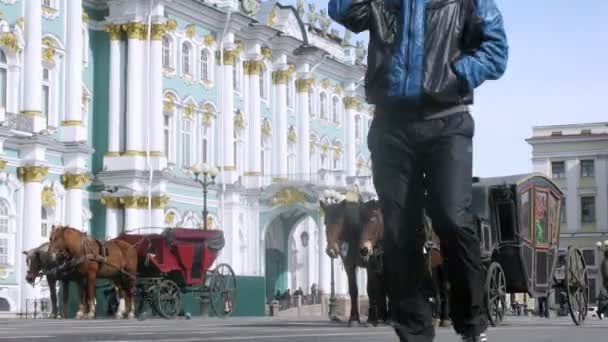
{"points": [[576, 158]]}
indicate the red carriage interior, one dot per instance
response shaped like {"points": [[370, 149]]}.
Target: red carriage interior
{"points": [[184, 254]]}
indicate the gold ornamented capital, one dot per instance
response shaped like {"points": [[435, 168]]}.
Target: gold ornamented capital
{"points": [[190, 31], [158, 31], [304, 85], [130, 202], [114, 31], [160, 202], [30, 174], [350, 102], [280, 77], [209, 39], [253, 67], [171, 25], [9, 40], [74, 180], [111, 202], [291, 136], [230, 56], [2, 164], [267, 53], [135, 30], [325, 83], [85, 17], [48, 197], [338, 89]]}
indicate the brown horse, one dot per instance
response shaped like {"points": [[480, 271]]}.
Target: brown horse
{"points": [[343, 232], [39, 263], [115, 260], [372, 234]]}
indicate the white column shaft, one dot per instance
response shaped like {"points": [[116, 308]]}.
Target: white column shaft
{"points": [[74, 61], [115, 92], [303, 133], [33, 56], [132, 219], [310, 253], [351, 145], [135, 75], [112, 223], [255, 125], [228, 116], [158, 219], [73, 199], [31, 234], [281, 129], [324, 262], [156, 97]]}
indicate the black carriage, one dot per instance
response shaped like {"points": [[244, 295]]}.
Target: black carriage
{"points": [[518, 220]]}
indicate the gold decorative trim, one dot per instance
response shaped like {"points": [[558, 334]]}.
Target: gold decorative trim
{"points": [[3, 164], [48, 197], [350, 102], [130, 202], [74, 180], [68, 123], [288, 196], [325, 83], [32, 113], [272, 16], [207, 117], [338, 89], [252, 174], [169, 218], [9, 40], [132, 153], [85, 17], [111, 202], [279, 179], [190, 31], [135, 30], [114, 31], [280, 76], [239, 47], [266, 130], [158, 31], [239, 121], [291, 136], [171, 25], [229, 168], [209, 40], [160, 202], [157, 154], [230, 57], [30, 174], [304, 85], [291, 69], [112, 154], [267, 53], [189, 111], [21, 22], [359, 106], [168, 105], [253, 67]]}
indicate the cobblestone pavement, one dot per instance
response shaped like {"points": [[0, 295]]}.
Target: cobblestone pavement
{"points": [[267, 329]]}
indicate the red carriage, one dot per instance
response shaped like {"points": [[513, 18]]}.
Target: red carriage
{"points": [[178, 261]]}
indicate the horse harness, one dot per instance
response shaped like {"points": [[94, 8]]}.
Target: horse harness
{"points": [[102, 257]]}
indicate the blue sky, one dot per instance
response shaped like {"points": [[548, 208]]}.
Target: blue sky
{"points": [[557, 74]]}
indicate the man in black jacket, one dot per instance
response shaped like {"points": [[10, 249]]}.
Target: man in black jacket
{"points": [[425, 59]]}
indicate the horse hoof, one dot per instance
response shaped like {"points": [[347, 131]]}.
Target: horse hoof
{"points": [[79, 315], [131, 315], [444, 324], [91, 315]]}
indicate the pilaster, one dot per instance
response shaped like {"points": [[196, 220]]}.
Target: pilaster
{"points": [[32, 100], [254, 69], [350, 105], [73, 183], [227, 117], [113, 216], [136, 33], [115, 90], [279, 79], [303, 86]]}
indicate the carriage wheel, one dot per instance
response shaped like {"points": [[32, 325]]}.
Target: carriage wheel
{"points": [[577, 285], [496, 293], [167, 300], [222, 290]]}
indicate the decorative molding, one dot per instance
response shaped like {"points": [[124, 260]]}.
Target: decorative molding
{"points": [[266, 129], [325, 83], [350, 102], [229, 168], [3, 164], [49, 12], [158, 31], [239, 47], [253, 67], [267, 53], [189, 111], [48, 197], [111, 202], [190, 31], [160, 202], [272, 17], [280, 76], [304, 85], [74, 180], [68, 123], [239, 121], [85, 17], [170, 218], [9, 40], [229, 56], [171, 25], [209, 40], [30, 174], [338, 89], [21, 22], [135, 30], [291, 136], [48, 53], [288, 196]]}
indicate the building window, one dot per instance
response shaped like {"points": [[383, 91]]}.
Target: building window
{"points": [[186, 59], [205, 75], [588, 209], [3, 251], [323, 105], [334, 110], [166, 52], [4, 219], [186, 142], [46, 93], [44, 227], [48, 3], [3, 79], [587, 168], [589, 256], [558, 170], [262, 84], [563, 217]]}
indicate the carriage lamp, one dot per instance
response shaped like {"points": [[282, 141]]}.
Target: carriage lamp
{"points": [[208, 178]]}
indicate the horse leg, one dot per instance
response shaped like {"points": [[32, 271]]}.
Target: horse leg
{"points": [[120, 312], [353, 291], [53, 289], [372, 294], [132, 293], [381, 299], [82, 306], [91, 276]]}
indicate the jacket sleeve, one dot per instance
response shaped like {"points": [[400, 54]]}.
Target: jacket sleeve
{"points": [[352, 14], [489, 61]]}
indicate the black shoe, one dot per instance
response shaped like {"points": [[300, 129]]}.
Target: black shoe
{"points": [[480, 338]]}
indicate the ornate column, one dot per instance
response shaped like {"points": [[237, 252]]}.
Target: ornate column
{"points": [[350, 104], [158, 212], [115, 90], [324, 261], [113, 210], [227, 113], [303, 86], [132, 205], [279, 79], [310, 253], [73, 183], [254, 70], [32, 177], [156, 93], [32, 101], [72, 128], [136, 33]]}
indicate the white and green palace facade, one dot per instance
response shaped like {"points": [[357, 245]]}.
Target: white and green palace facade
{"points": [[106, 106]]}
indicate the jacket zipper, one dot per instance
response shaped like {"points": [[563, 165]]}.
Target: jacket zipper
{"points": [[409, 48]]}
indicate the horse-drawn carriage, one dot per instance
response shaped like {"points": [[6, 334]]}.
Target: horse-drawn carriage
{"points": [[179, 261], [518, 220]]}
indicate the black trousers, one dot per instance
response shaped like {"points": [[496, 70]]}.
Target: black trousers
{"points": [[427, 161]]}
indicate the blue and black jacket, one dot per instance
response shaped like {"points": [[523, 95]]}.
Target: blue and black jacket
{"points": [[427, 54]]}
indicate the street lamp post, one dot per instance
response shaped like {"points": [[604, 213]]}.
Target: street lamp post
{"points": [[208, 178], [332, 295]]}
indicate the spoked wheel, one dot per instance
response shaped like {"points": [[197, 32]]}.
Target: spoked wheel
{"points": [[496, 294], [222, 290], [167, 302], [577, 285]]}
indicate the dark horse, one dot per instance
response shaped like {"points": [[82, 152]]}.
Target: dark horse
{"points": [[343, 231], [372, 235], [115, 260], [39, 263]]}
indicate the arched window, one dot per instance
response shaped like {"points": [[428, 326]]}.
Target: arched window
{"points": [[46, 93], [3, 79], [323, 105], [44, 227], [166, 52], [186, 142], [205, 75], [357, 127], [4, 217], [335, 110], [5, 306], [167, 133], [186, 59]]}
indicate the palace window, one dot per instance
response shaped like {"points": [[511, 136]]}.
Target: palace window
{"points": [[587, 168], [46, 94], [335, 110], [3, 79], [558, 170], [205, 66], [3, 251], [588, 209], [44, 227], [167, 133], [186, 142], [563, 217], [323, 105], [166, 52], [4, 218], [186, 59]]}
